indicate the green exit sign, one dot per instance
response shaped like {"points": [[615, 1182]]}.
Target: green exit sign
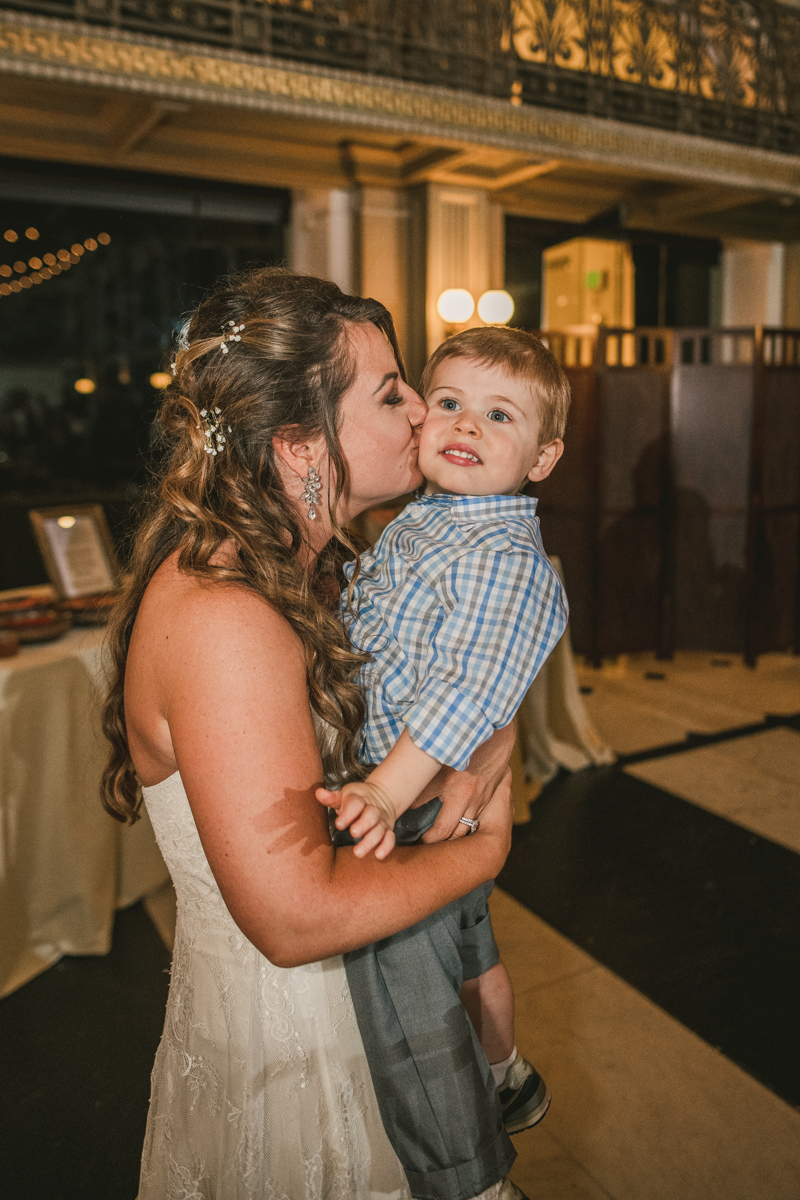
{"points": [[596, 280]]}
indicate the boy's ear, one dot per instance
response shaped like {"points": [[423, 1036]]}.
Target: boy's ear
{"points": [[548, 457]]}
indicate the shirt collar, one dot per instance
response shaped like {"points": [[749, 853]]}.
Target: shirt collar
{"points": [[480, 507]]}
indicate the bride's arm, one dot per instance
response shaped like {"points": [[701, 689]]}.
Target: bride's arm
{"points": [[232, 677]]}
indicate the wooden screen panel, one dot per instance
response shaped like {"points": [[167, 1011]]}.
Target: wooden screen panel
{"points": [[711, 422], [775, 524], [633, 501], [604, 508], [567, 507]]}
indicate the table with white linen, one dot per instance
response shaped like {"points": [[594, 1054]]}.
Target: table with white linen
{"points": [[65, 864], [553, 727]]}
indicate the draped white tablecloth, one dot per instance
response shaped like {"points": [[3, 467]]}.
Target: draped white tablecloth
{"points": [[553, 727], [65, 865]]}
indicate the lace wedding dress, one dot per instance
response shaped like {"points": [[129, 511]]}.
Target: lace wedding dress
{"points": [[260, 1088]]}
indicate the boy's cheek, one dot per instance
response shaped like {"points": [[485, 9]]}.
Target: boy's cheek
{"points": [[427, 432]]}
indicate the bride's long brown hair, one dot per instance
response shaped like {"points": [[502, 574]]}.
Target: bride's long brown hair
{"points": [[288, 372]]}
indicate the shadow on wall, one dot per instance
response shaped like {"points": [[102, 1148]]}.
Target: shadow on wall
{"points": [[681, 552], [709, 594]]}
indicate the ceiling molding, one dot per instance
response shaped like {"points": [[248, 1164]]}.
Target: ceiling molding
{"points": [[156, 67]]}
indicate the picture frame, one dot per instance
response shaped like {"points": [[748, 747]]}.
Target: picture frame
{"points": [[78, 553]]}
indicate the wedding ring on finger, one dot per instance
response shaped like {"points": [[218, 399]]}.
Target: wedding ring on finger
{"points": [[473, 825]]}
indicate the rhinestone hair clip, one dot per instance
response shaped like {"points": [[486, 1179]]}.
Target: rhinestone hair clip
{"points": [[235, 335]]}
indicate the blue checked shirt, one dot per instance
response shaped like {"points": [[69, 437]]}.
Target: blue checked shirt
{"points": [[459, 606]]}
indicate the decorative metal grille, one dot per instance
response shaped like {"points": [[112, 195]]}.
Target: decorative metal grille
{"points": [[726, 69]]}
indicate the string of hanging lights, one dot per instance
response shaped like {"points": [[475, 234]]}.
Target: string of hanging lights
{"points": [[20, 276]]}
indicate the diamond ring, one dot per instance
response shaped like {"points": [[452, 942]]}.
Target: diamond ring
{"points": [[473, 825]]}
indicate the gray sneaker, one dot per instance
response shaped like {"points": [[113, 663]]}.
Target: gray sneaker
{"points": [[524, 1097]]}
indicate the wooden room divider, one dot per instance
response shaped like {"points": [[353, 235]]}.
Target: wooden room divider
{"points": [[676, 509]]}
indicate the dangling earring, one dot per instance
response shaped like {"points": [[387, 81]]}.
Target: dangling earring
{"points": [[311, 493]]}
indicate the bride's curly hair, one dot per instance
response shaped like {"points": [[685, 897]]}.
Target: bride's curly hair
{"points": [[288, 372]]}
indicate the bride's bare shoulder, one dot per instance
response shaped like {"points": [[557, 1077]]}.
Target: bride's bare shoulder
{"points": [[181, 609]]}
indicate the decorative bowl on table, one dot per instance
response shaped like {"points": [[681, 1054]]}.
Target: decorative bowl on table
{"points": [[90, 610], [34, 618], [9, 643]]}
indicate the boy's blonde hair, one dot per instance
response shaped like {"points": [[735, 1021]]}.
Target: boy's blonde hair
{"points": [[524, 357]]}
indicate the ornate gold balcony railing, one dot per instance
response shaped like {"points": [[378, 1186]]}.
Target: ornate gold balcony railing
{"points": [[727, 69]]}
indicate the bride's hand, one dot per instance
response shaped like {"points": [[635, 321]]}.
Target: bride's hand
{"points": [[497, 817], [467, 793]]}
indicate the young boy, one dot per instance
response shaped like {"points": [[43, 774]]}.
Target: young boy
{"points": [[459, 607]]}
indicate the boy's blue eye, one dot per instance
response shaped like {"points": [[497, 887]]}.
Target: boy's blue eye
{"points": [[450, 405], [499, 416]]}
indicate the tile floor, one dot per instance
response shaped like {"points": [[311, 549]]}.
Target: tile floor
{"points": [[753, 781], [633, 712], [643, 1108]]}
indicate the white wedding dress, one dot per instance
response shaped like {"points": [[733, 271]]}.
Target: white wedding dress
{"points": [[260, 1088]]}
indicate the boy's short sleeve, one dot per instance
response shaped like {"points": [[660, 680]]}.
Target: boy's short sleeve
{"points": [[504, 612]]}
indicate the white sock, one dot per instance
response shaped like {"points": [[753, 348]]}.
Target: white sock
{"points": [[491, 1193], [500, 1069]]}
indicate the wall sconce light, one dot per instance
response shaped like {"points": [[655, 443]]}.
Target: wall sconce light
{"points": [[495, 307], [160, 380], [84, 387], [455, 306]]}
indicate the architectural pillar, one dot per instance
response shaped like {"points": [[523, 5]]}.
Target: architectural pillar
{"points": [[324, 235], [404, 247], [384, 229], [752, 283], [791, 285], [465, 248]]}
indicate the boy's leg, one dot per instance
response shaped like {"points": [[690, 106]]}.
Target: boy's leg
{"points": [[489, 1001], [435, 1091], [488, 997]]}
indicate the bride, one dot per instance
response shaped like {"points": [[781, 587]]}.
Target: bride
{"points": [[233, 696]]}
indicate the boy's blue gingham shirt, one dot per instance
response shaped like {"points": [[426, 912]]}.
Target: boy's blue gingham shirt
{"points": [[459, 607]]}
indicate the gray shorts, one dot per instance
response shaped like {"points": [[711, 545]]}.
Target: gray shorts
{"points": [[468, 918], [436, 1095]]}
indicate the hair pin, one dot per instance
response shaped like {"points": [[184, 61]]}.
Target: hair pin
{"points": [[235, 335], [215, 434]]}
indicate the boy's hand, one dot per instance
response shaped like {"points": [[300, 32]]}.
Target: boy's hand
{"points": [[364, 809], [466, 793]]}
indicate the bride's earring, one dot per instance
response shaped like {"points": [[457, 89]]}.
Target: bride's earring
{"points": [[311, 493]]}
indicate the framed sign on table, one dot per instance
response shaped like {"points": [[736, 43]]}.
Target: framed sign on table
{"points": [[78, 553]]}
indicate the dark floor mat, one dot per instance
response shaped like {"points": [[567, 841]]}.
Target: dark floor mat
{"points": [[76, 1050], [697, 913]]}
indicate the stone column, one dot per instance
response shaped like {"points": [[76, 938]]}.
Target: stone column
{"points": [[464, 249], [752, 283], [384, 219], [791, 285], [404, 247], [324, 235]]}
